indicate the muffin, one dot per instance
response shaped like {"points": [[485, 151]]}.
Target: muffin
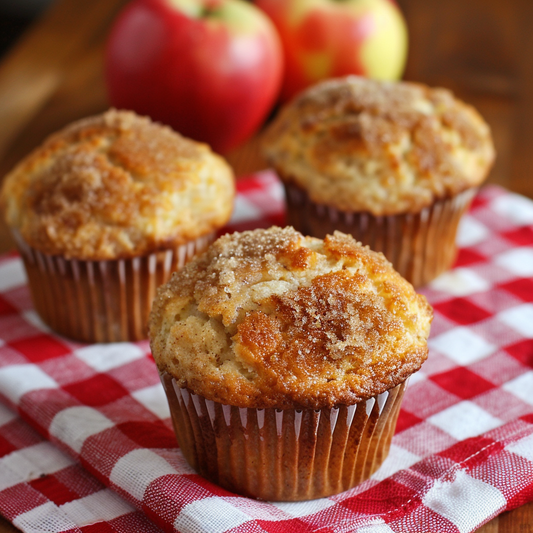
{"points": [[284, 360], [395, 164], [104, 211]]}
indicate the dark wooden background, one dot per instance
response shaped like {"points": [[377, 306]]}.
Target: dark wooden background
{"points": [[481, 49]]}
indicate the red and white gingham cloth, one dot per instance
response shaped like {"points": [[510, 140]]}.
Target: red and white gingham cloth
{"points": [[107, 461]]}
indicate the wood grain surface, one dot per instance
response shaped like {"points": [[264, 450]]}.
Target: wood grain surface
{"points": [[481, 49]]}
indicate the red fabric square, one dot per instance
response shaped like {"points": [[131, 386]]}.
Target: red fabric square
{"points": [[521, 236], [522, 288], [522, 351], [95, 391], [463, 383], [149, 434], [53, 489], [527, 418], [480, 200], [5, 446], [250, 184], [462, 311], [40, 348], [283, 526], [386, 497], [406, 420], [469, 450], [466, 257], [523, 497], [5, 307]]}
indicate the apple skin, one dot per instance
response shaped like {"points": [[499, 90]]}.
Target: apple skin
{"points": [[212, 70], [331, 38]]}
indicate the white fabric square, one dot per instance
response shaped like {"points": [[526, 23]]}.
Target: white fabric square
{"points": [[516, 208], [464, 420], [461, 345], [102, 505], [465, 501], [243, 210], [34, 319], [522, 387], [137, 470], [460, 282], [104, 357], [375, 528], [45, 518], [18, 380], [6, 415], [471, 232], [29, 463], [297, 509], [519, 318], [154, 399], [519, 261], [210, 515], [523, 447], [74, 425], [398, 459], [12, 274], [417, 377]]}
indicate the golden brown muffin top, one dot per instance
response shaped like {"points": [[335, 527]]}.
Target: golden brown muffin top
{"points": [[381, 147], [269, 318], [117, 185]]}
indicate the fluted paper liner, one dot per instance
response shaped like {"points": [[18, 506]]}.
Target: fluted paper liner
{"points": [[283, 455], [421, 246], [101, 301]]}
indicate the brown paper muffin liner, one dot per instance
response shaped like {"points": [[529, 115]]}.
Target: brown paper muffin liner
{"points": [[101, 301], [421, 246], [283, 455]]}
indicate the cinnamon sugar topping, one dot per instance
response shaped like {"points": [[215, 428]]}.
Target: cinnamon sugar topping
{"points": [[382, 147], [270, 318], [117, 185]]}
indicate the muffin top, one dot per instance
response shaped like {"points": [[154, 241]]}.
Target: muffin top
{"points": [[379, 147], [269, 318], [117, 185]]}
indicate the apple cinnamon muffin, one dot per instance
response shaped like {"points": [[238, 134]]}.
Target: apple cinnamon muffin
{"points": [[284, 359], [395, 164], [104, 211]]}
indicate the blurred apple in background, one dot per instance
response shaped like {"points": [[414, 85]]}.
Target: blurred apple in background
{"points": [[330, 38], [211, 69]]}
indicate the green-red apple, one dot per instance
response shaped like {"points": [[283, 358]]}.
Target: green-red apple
{"points": [[211, 69], [330, 38]]}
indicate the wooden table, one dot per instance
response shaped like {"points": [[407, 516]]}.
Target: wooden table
{"points": [[482, 49]]}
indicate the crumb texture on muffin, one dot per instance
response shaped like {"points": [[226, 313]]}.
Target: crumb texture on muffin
{"points": [[380, 147], [270, 318], [117, 185]]}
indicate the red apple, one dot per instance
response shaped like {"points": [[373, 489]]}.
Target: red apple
{"points": [[330, 38], [211, 69]]}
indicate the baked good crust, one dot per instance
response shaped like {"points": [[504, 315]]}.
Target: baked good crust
{"points": [[270, 318], [379, 147], [117, 185]]}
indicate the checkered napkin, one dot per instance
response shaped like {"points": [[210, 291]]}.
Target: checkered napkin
{"points": [[463, 451]]}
